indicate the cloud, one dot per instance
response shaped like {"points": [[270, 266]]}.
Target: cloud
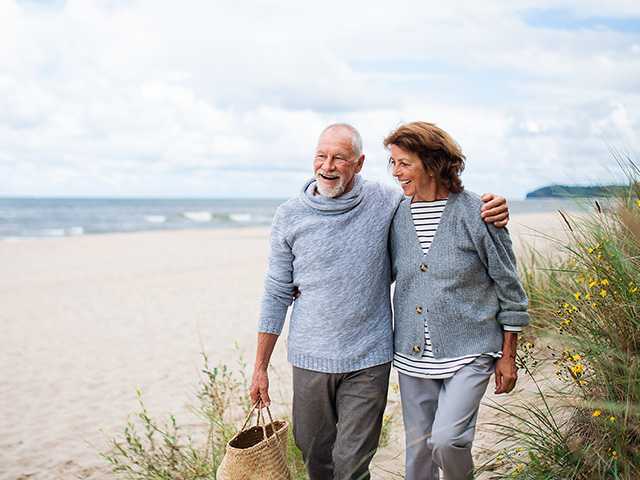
{"points": [[226, 98]]}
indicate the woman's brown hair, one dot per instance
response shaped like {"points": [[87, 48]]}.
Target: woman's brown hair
{"points": [[440, 154]]}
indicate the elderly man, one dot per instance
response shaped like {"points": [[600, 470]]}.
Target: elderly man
{"points": [[330, 245]]}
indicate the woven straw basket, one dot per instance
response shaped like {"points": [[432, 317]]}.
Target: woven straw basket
{"points": [[256, 453]]}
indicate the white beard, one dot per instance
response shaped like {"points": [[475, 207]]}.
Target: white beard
{"points": [[330, 192]]}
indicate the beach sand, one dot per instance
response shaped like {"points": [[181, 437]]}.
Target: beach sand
{"points": [[88, 320]]}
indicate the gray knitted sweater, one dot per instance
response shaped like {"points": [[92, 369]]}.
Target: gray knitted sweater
{"points": [[466, 287], [335, 251]]}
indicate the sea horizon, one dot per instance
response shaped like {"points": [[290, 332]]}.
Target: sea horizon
{"points": [[48, 217]]}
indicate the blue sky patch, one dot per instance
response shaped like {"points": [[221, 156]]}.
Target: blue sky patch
{"points": [[562, 19]]}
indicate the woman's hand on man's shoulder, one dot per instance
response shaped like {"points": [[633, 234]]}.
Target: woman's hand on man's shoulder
{"points": [[495, 210]]}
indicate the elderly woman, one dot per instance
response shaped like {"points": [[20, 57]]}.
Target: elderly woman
{"points": [[458, 303]]}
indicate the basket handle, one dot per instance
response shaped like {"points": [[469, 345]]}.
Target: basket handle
{"points": [[246, 420], [260, 416], [273, 426]]}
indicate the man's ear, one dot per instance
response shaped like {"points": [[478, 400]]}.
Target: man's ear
{"points": [[360, 163]]}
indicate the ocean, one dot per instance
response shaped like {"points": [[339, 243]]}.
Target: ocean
{"points": [[61, 217]]}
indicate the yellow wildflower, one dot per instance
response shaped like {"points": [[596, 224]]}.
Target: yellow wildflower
{"points": [[576, 357], [566, 306], [577, 295], [593, 283], [577, 369], [603, 293], [594, 305], [587, 296], [519, 468], [604, 282], [596, 413], [590, 250], [612, 419], [637, 203]]}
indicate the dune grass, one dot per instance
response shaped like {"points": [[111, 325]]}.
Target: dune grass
{"points": [[586, 305]]}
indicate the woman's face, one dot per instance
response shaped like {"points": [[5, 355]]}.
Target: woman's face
{"points": [[409, 171]]}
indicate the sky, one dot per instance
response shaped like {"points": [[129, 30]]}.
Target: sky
{"points": [[158, 98]]}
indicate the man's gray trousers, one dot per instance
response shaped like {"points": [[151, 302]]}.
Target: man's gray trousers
{"points": [[337, 419]]}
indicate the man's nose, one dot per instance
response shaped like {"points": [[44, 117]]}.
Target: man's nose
{"points": [[329, 163]]}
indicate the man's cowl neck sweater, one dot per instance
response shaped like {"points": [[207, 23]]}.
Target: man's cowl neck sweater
{"points": [[335, 251], [333, 206]]}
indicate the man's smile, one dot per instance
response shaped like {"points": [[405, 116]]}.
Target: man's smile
{"points": [[329, 177]]}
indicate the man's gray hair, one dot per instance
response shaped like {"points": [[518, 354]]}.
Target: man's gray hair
{"points": [[356, 138]]}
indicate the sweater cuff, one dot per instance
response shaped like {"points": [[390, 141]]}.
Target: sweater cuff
{"points": [[273, 320], [513, 318]]}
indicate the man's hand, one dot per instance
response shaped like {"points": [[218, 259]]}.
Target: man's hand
{"points": [[495, 210], [506, 374], [260, 387]]}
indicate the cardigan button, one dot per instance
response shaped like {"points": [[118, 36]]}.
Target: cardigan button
{"points": [[418, 309], [423, 267], [416, 348]]}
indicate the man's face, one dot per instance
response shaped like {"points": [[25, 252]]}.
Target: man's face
{"points": [[335, 165]]}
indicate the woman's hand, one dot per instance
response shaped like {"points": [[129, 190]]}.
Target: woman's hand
{"points": [[506, 370], [495, 210], [506, 374]]}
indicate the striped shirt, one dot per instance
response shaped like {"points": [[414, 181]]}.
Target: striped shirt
{"points": [[426, 217]]}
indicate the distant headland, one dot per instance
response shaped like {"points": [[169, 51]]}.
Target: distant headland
{"points": [[563, 191]]}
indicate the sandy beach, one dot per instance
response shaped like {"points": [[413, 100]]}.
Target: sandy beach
{"points": [[88, 320]]}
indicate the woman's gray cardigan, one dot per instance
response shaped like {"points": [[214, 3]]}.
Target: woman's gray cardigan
{"points": [[466, 287]]}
